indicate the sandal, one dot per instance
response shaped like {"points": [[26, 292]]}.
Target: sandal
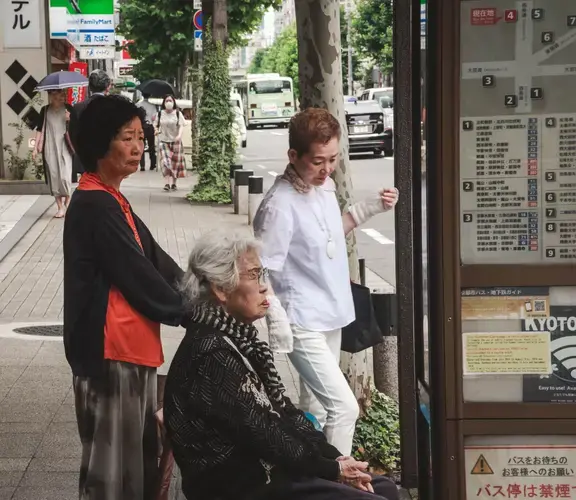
{"points": [[167, 187]]}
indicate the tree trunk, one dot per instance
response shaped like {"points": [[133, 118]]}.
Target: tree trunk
{"points": [[207, 13], [320, 73], [196, 81], [220, 22]]}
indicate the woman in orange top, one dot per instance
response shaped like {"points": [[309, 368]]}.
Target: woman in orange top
{"points": [[119, 285]]}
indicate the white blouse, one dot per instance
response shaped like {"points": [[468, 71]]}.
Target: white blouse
{"points": [[169, 125], [295, 230]]}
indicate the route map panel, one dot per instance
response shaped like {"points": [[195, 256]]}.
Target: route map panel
{"points": [[518, 132]]}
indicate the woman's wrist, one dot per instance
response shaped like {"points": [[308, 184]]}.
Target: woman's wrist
{"points": [[365, 210]]}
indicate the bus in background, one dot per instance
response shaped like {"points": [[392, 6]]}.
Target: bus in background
{"points": [[268, 99]]}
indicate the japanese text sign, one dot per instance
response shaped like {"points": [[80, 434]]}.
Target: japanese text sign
{"points": [[483, 17], [520, 472], [22, 24]]}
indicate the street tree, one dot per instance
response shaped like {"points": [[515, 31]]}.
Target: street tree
{"points": [[256, 64], [216, 148], [281, 57], [372, 32], [356, 63], [162, 35], [320, 71]]}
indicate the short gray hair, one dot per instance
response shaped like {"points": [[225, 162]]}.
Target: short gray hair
{"points": [[214, 261]]}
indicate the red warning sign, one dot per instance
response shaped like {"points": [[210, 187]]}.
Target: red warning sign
{"points": [[483, 17]]}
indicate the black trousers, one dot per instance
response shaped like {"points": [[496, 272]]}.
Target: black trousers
{"points": [[151, 143], [322, 489]]}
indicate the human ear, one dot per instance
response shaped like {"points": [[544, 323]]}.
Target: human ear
{"points": [[219, 294], [292, 156]]}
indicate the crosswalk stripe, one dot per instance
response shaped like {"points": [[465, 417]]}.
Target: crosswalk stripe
{"points": [[375, 235]]}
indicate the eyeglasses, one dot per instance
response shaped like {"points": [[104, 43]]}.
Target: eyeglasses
{"points": [[260, 274]]}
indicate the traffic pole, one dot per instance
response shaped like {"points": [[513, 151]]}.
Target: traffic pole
{"points": [[241, 178], [255, 196]]}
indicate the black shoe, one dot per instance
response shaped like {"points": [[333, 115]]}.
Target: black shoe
{"points": [[167, 187], [152, 168], [142, 170], [174, 188]]}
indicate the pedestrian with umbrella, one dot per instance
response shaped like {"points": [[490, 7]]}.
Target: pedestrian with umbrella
{"points": [[156, 88], [52, 138]]}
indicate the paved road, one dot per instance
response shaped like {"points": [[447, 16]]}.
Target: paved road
{"points": [[266, 155]]}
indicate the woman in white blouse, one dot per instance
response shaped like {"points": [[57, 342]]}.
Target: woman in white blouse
{"points": [[304, 247]]}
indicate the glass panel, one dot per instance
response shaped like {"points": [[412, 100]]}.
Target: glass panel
{"points": [[270, 86], [519, 344], [424, 188]]}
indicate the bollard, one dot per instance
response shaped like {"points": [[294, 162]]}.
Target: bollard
{"points": [[386, 354], [255, 196], [241, 191], [233, 168]]}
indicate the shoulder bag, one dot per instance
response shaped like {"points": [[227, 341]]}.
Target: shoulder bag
{"points": [[364, 331]]}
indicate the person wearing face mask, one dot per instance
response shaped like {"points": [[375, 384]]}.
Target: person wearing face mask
{"points": [[303, 235], [170, 126]]}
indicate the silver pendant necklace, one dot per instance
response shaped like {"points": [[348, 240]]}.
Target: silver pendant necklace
{"points": [[330, 244]]}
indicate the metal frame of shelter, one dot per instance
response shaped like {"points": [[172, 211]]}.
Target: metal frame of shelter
{"points": [[433, 448]]}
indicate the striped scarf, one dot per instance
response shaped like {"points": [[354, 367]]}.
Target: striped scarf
{"points": [[245, 338]]}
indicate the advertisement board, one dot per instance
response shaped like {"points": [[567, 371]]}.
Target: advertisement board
{"points": [[77, 94]]}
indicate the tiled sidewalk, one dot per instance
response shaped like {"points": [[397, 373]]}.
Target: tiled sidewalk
{"points": [[39, 445]]}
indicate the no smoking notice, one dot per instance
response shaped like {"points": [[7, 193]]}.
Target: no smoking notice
{"points": [[520, 472]]}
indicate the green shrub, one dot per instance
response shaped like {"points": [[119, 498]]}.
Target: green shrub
{"points": [[216, 141], [377, 436]]}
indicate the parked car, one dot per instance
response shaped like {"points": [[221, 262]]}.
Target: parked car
{"points": [[369, 128]]}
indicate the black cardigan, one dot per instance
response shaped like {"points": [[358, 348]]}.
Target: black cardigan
{"points": [[220, 434], [100, 251]]}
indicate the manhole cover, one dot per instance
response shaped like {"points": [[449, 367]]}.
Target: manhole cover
{"points": [[42, 330]]}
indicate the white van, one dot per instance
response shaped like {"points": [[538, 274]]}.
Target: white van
{"points": [[384, 96]]}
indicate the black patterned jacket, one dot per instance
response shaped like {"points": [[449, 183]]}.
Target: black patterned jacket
{"points": [[228, 439]]}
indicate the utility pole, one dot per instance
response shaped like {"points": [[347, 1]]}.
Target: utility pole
{"points": [[349, 44]]}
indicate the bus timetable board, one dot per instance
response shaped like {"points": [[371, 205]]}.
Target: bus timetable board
{"points": [[518, 132]]}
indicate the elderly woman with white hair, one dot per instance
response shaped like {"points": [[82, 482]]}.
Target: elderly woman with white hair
{"points": [[234, 433]]}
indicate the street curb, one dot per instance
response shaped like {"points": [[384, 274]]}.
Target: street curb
{"points": [[32, 215]]}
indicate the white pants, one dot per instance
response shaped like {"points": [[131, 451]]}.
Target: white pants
{"points": [[324, 391]]}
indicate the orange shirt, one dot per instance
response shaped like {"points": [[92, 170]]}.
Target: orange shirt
{"points": [[128, 335]]}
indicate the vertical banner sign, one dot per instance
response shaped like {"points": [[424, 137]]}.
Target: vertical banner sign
{"points": [[77, 94]]}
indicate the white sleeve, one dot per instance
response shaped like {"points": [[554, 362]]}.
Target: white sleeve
{"points": [[274, 228]]}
